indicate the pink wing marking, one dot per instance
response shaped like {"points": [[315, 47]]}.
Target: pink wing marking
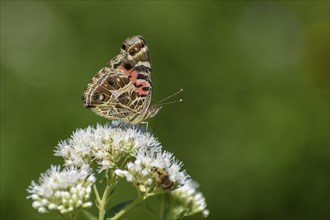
{"points": [[140, 89], [133, 77]]}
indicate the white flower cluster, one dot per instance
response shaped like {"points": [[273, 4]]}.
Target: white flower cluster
{"points": [[152, 172], [188, 200], [126, 152], [64, 191], [110, 147]]}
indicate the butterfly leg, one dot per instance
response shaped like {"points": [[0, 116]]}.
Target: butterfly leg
{"points": [[117, 123], [146, 124]]}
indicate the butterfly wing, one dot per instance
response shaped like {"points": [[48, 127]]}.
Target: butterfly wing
{"points": [[109, 94], [134, 61], [123, 89]]}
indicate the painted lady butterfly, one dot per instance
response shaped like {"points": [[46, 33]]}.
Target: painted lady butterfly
{"points": [[122, 90]]}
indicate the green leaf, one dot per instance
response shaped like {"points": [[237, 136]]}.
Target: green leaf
{"points": [[89, 215], [115, 209]]}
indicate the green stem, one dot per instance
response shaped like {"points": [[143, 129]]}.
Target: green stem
{"points": [[96, 192], [75, 214], [170, 212], [70, 215], [102, 202], [65, 217], [128, 207], [162, 208]]}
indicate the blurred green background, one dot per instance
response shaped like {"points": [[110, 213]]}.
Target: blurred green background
{"points": [[253, 128]]}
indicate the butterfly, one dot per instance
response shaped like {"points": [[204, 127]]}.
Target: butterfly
{"points": [[122, 90]]}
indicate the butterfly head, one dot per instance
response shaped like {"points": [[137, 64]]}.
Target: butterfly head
{"points": [[135, 49], [152, 111]]}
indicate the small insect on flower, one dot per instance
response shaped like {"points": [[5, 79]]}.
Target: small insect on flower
{"points": [[154, 172], [162, 177]]}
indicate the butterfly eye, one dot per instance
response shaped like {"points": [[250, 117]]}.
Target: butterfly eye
{"points": [[99, 97], [112, 82], [124, 47]]}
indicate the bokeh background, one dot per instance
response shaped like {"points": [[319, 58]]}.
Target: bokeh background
{"points": [[253, 128]]}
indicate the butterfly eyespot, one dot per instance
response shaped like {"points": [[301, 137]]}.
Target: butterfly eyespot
{"points": [[112, 82], [99, 97], [123, 47], [132, 52]]}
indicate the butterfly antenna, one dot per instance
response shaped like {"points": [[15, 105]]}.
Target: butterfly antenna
{"points": [[167, 103], [174, 94]]}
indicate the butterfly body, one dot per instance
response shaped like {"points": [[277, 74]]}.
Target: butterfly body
{"points": [[122, 90]]}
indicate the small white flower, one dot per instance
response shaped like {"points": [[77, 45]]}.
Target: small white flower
{"points": [[34, 196], [110, 147], [60, 190], [154, 172], [42, 210], [87, 204], [188, 200], [52, 206], [57, 194], [36, 204]]}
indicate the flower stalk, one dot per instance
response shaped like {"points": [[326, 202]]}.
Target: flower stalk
{"points": [[103, 202], [128, 207]]}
